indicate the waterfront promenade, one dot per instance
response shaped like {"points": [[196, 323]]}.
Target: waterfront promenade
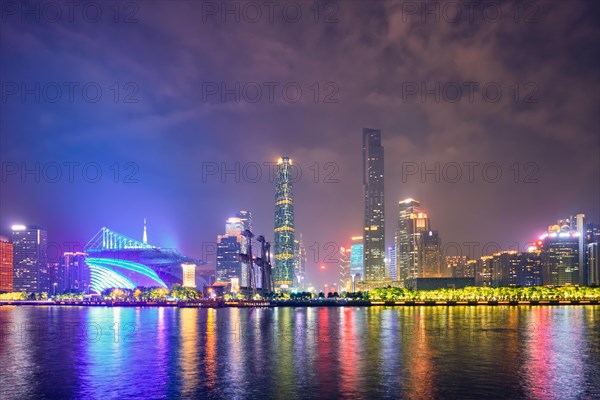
{"points": [[294, 303]]}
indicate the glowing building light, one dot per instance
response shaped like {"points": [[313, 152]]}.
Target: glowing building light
{"points": [[189, 275], [18, 227]]}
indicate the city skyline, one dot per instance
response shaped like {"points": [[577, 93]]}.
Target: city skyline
{"points": [[181, 139], [323, 199]]}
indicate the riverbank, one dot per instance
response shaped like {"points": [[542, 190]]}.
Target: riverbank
{"points": [[296, 303]]}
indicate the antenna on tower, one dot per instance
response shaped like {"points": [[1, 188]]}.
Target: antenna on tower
{"points": [[145, 238]]}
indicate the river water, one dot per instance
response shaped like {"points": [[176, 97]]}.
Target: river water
{"points": [[456, 352]]}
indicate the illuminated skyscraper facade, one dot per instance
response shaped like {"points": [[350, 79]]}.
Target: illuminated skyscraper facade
{"points": [[345, 284], [30, 273], [6, 266], [430, 255], [300, 261], [560, 257], [374, 223], [593, 264], [284, 225], [357, 259], [412, 222], [391, 260], [229, 248], [245, 219], [228, 258]]}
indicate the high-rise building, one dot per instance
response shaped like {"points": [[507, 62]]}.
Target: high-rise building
{"points": [[560, 254], [412, 222], [73, 274], [54, 278], [245, 218], [345, 284], [593, 264], [356, 259], [391, 258], [374, 223], [578, 225], [6, 266], [30, 273], [230, 246], [229, 265], [484, 272], [300, 260], [430, 255], [530, 269], [283, 272]]}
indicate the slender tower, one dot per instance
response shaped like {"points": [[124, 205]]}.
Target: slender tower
{"points": [[374, 229], [145, 238], [284, 226]]}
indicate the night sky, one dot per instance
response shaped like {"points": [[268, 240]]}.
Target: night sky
{"points": [[161, 125]]}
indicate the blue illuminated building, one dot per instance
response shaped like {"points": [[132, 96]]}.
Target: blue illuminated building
{"points": [[356, 259], [118, 261]]}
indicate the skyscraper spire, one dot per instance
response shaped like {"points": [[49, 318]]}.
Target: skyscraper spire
{"points": [[145, 239]]}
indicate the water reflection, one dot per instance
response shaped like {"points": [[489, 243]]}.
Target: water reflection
{"points": [[377, 352]]}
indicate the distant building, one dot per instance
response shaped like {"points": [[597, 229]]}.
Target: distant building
{"points": [[356, 259], [283, 272], [459, 267], [230, 246], [245, 218], [300, 260], [391, 263], [560, 255], [189, 275], [74, 273], [412, 222], [54, 278], [430, 255], [594, 264], [6, 266], [229, 265], [345, 284], [530, 269], [374, 223], [30, 273]]}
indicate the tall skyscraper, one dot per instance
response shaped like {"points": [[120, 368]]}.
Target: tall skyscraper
{"points": [[357, 259], [229, 247], [374, 223], [412, 222], [245, 218], [229, 265], [593, 264], [560, 254], [284, 226], [29, 257], [300, 260], [578, 225], [6, 266]]}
